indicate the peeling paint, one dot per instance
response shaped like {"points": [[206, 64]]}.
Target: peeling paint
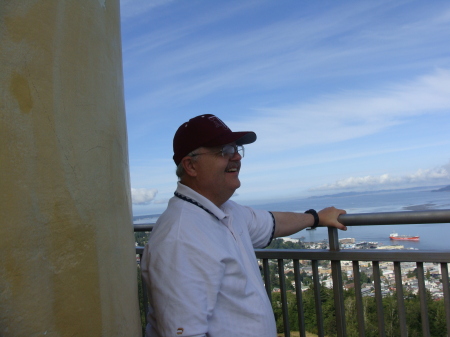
{"points": [[20, 89]]}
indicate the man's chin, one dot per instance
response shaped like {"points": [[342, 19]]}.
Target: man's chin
{"points": [[238, 184], [235, 187]]}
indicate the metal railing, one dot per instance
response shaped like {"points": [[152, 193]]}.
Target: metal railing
{"points": [[336, 256]]}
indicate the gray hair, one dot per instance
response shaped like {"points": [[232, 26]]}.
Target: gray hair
{"points": [[180, 172]]}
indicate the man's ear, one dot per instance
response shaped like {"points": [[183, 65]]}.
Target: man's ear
{"points": [[189, 166]]}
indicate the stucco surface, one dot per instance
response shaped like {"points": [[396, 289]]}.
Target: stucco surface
{"points": [[67, 260]]}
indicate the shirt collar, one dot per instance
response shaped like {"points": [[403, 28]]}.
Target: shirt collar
{"points": [[205, 202]]}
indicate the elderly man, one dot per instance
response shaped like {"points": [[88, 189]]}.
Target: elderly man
{"points": [[199, 264]]}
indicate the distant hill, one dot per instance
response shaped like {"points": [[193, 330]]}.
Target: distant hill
{"points": [[345, 194], [350, 194], [443, 189]]}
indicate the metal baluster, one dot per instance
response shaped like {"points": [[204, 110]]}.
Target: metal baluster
{"points": [[318, 301], [358, 299], [446, 290], [378, 298], [144, 291], [400, 299], [423, 300], [266, 272], [336, 274], [284, 306], [298, 293]]}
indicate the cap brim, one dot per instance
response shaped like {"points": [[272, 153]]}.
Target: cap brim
{"points": [[240, 138], [247, 138]]}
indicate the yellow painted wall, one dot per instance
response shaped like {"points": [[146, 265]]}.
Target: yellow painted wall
{"points": [[67, 263]]}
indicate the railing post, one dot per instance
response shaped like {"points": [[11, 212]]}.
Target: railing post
{"points": [[317, 298], [284, 304], [378, 298], [266, 272], [298, 293], [144, 291], [400, 300], [423, 300], [358, 299], [337, 283], [446, 290]]}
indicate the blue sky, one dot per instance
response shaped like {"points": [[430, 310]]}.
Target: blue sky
{"points": [[343, 95]]}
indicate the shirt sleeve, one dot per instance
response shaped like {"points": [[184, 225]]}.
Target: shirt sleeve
{"points": [[260, 225], [273, 230]]}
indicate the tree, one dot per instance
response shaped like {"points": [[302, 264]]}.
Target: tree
{"points": [[364, 278], [141, 238], [436, 314], [281, 244], [412, 273]]}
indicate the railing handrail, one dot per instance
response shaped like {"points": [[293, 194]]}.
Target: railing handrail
{"points": [[355, 254], [370, 219], [145, 227], [396, 218]]}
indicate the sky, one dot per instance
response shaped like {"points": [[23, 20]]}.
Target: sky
{"points": [[343, 95]]}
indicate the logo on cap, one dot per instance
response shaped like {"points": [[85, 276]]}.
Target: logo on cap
{"points": [[218, 123]]}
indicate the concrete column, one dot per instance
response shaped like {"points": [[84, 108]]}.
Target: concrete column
{"points": [[67, 262]]}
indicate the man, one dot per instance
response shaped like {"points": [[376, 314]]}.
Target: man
{"points": [[199, 264]]}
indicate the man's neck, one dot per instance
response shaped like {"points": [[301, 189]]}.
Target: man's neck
{"points": [[215, 199]]}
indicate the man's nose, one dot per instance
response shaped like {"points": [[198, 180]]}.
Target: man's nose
{"points": [[236, 156]]}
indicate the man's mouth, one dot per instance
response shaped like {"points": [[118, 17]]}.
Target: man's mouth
{"points": [[232, 168]]}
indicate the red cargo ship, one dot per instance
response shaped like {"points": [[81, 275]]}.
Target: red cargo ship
{"points": [[395, 236]]}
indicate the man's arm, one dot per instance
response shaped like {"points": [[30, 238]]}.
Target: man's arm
{"points": [[288, 223]]}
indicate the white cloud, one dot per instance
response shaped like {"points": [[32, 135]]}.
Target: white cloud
{"points": [[420, 177], [351, 114], [143, 196], [187, 65]]}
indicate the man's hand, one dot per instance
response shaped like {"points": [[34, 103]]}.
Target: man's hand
{"points": [[328, 217]]}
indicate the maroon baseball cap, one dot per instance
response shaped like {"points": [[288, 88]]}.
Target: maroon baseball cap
{"points": [[208, 131]]}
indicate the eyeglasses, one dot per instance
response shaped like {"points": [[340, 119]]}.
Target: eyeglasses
{"points": [[227, 151]]}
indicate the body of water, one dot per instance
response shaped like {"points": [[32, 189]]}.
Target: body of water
{"points": [[432, 236]]}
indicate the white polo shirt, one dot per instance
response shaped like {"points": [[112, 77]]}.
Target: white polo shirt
{"points": [[201, 270]]}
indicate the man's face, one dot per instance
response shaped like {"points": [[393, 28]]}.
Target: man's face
{"points": [[217, 175]]}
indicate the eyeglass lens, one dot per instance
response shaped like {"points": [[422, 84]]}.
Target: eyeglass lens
{"points": [[232, 149]]}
